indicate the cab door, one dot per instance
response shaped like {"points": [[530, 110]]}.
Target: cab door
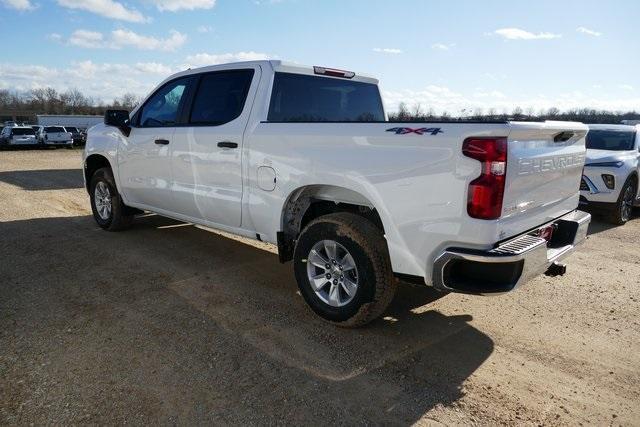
{"points": [[207, 150], [144, 158]]}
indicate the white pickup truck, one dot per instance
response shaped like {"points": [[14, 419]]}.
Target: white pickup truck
{"points": [[304, 158], [55, 135]]}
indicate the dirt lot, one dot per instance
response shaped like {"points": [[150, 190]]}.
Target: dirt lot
{"points": [[168, 323]]}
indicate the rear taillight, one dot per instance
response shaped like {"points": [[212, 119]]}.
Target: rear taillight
{"points": [[486, 192]]}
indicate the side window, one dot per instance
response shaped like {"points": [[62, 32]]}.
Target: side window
{"points": [[220, 97], [162, 108]]}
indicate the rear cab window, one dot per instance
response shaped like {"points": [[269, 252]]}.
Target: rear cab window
{"points": [[53, 129], [304, 98], [22, 131]]}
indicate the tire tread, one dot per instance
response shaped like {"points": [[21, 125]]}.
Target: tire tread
{"points": [[369, 237]]}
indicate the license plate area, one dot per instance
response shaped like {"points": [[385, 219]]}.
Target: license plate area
{"points": [[546, 232]]}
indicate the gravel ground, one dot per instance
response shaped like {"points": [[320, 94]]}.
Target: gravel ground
{"points": [[172, 324]]}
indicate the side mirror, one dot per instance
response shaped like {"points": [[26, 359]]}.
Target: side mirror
{"points": [[119, 119]]}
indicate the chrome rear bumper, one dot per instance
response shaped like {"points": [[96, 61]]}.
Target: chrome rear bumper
{"points": [[511, 263]]}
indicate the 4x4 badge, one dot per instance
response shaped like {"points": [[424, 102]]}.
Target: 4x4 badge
{"points": [[419, 131]]}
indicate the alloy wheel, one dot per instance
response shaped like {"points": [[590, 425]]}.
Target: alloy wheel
{"points": [[102, 197], [332, 273]]}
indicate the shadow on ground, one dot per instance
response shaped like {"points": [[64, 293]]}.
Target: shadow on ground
{"points": [[170, 323], [599, 222], [44, 179]]}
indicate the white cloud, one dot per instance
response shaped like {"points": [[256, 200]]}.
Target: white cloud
{"points": [[440, 98], [104, 81], [626, 87], [107, 81], [587, 31], [175, 5], [55, 37], [153, 68], [489, 94], [387, 50], [205, 29], [204, 59], [22, 5], [107, 8], [519, 34], [442, 46], [87, 39], [122, 38]]}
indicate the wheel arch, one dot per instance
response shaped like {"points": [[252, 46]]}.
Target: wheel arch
{"points": [[312, 201], [633, 176], [91, 164]]}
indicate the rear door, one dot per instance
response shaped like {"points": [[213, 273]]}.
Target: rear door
{"points": [[206, 154], [144, 161]]}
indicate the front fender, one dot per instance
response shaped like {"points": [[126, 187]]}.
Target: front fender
{"points": [[104, 140]]}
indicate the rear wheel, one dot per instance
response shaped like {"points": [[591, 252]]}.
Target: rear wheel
{"points": [[106, 203], [624, 206], [342, 267]]}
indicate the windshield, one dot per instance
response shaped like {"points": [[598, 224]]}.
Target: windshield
{"points": [[53, 129], [615, 140], [23, 131], [71, 129]]}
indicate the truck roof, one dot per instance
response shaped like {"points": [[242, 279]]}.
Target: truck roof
{"points": [[276, 65]]}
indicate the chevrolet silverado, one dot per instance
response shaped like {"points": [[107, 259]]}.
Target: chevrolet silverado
{"points": [[305, 158]]}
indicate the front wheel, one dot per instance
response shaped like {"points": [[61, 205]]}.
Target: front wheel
{"points": [[342, 267], [624, 206], [106, 203]]}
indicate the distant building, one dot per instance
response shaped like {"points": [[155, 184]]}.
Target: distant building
{"points": [[79, 121], [631, 122]]}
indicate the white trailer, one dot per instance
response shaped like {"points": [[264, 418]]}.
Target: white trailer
{"points": [[78, 121]]}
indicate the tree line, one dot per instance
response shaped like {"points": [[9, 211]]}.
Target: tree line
{"points": [[584, 115], [25, 105]]}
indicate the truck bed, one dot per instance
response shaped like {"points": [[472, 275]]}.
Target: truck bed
{"points": [[418, 181]]}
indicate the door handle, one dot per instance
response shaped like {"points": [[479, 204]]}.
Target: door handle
{"points": [[227, 144], [162, 141]]}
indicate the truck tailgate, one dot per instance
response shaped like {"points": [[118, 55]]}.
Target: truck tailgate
{"points": [[544, 166]]}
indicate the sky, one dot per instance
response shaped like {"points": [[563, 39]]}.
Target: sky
{"points": [[454, 56]]}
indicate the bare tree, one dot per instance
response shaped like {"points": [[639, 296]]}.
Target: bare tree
{"points": [[128, 100], [417, 110], [517, 112], [552, 112]]}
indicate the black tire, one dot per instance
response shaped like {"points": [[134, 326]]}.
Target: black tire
{"points": [[624, 206], [119, 217], [368, 248]]}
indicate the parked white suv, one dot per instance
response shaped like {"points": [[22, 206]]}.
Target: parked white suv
{"points": [[610, 179], [18, 135], [304, 158]]}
